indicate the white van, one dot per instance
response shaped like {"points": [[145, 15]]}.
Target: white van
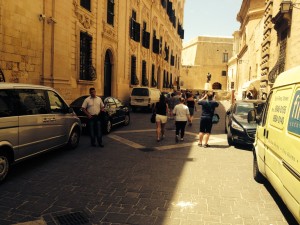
{"points": [[33, 119], [144, 97], [277, 143]]}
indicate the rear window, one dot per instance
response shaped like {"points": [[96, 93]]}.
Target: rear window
{"points": [[140, 92], [243, 108]]}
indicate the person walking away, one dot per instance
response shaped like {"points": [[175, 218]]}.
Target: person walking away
{"points": [[171, 105], [190, 102], [208, 109], [182, 115], [161, 109], [92, 107]]}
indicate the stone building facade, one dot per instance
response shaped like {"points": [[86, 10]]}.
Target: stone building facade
{"points": [[267, 44], [73, 45], [204, 55]]}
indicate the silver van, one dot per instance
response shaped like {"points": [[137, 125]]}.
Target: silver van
{"points": [[33, 119]]}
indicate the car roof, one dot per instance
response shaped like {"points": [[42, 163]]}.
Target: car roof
{"points": [[4, 85], [290, 76]]}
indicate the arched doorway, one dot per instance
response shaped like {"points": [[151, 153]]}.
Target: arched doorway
{"points": [[107, 73], [217, 86]]}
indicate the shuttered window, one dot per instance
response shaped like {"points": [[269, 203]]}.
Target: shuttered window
{"points": [[110, 12], [144, 74], [146, 37], [134, 79]]}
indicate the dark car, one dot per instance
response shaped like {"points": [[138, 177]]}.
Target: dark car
{"points": [[115, 113], [237, 127]]}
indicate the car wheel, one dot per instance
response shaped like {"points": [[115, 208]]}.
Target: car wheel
{"points": [[74, 139], [258, 177], [229, 139], [4, 166], [126, 120], [108, 127]]}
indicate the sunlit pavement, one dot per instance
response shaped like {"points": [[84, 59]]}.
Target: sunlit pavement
{"points": [[136, 180]]}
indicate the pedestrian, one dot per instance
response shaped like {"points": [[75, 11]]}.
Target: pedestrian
{"points": [[161, 109], [208, 109], [171, 104], [190, 102], [93, 106], [182, 115]]}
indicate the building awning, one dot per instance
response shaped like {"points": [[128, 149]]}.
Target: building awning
{"points": [[251, 85]]}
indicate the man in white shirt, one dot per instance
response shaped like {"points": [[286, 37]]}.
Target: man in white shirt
{"points": [[92, 107]]}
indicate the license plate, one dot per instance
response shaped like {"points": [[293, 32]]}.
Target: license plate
{"points": [[139, 100]]}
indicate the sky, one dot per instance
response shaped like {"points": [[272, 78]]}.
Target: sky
{"points": [[210, 18]]}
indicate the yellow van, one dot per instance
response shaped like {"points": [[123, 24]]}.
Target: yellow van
{"points": [[277, 143]]}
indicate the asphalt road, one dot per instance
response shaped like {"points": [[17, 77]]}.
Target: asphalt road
{"points": [[136, 180]]}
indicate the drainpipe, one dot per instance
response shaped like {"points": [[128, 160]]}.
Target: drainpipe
{"points": [[51, 20], [43, 48]]}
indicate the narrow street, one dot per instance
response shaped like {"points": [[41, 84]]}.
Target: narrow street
{"points": [[136, 180]]}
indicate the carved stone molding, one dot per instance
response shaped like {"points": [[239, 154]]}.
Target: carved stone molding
{"points": [[109, 32], [135, 2], [133, 47], [155, 22], [144, 53], [84, 18], [145, 12]]}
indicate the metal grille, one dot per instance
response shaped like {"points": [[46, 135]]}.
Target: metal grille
{"points": [[76, 218]]}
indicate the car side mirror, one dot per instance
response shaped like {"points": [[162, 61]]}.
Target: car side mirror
{"points": [[251, 117], [227, 113]]}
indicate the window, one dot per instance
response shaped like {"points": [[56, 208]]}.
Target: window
{"points": [[7, 107], [224, 73], [56, 103], [155, 45], [144, 73], [86, 4], [146, 36], [153, 81], [135, 28], [34, 102], [110, 12], [85, 56], [225, 57], [134, 79]]}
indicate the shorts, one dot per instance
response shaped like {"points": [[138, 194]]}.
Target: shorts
{"points": [[161, 118], [205, 125], [191, 111]]}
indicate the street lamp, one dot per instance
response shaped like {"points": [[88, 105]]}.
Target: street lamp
{"points": [[286, 6]]}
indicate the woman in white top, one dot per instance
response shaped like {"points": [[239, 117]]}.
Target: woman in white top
{"points": [[182, 115]]}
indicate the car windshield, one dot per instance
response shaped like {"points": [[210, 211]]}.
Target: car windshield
{"points": [[78, 102], [243, 108]]}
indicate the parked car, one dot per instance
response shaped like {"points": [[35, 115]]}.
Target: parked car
{"points": [[237, 127], [115, 113], [33, 119]]}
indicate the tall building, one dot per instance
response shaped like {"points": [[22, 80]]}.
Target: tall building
{"points": [[73, 45], [205, 55]]}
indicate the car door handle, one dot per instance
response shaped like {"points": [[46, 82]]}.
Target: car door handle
{"points": [[52, 119], [45, 120]]}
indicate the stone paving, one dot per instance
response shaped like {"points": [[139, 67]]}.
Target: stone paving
{"points": [[135, 180]]}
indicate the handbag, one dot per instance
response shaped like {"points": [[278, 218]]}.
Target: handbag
{"points": [[215, 118], [153, 118]]}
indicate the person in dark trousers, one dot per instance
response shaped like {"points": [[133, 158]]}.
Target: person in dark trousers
{"points": [[208, 110], [190, 102], [92, 107], [182, 115], [161, 109]]}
